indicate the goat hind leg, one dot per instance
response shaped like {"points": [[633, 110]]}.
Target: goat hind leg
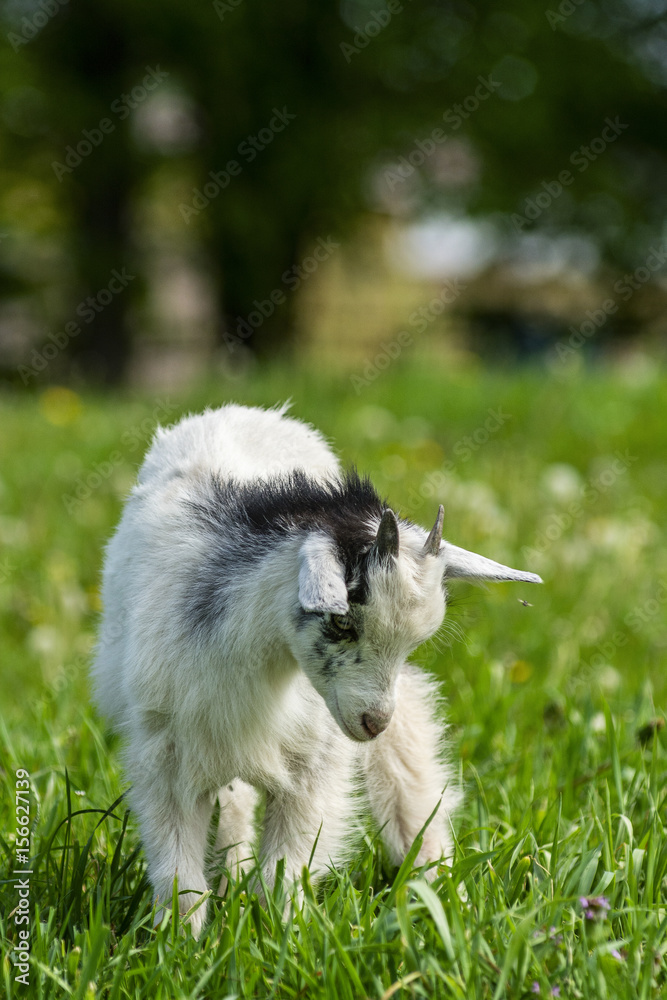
{"points": [[310, 820], [236, 829]]}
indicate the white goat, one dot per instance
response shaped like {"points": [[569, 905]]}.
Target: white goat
{"points": [[259, 608]]}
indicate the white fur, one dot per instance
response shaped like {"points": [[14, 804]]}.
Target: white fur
{"points": [[246, 705]]}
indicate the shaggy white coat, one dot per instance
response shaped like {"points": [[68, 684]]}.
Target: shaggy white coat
{"points": [[246, 706]]}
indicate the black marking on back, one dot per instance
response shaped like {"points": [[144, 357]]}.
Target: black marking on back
{"points": [[244, 519], [278, 506]]}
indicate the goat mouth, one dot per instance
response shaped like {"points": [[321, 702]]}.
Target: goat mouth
{"points": [[344, 726]]}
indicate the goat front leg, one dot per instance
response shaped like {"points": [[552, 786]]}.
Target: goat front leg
{"points": [[406, 777], [173, 827]]}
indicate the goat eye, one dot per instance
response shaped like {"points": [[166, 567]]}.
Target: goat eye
{"points": [[342, 622]]}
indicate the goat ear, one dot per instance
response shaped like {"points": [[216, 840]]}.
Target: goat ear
{"points": [[322, 577], [386, 540], [468, 565]]}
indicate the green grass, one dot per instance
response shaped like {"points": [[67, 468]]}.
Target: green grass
{"points": [[556, 709]]}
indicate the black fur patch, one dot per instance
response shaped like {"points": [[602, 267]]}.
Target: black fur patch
{"points": [[328, 668], [358, 592], [243, 519], [338, 635], [303, 618], [321, 647]]}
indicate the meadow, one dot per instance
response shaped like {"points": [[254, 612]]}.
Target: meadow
{"points": [[555, 698]]}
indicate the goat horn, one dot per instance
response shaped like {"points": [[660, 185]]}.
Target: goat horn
{"points": [[432, 546]]}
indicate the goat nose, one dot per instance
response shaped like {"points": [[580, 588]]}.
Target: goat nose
{"points": [[374, 723]]}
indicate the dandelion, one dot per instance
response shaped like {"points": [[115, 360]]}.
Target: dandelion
{"points": [[60, 406], [595, 907]]}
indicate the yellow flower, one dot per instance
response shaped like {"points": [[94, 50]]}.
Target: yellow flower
{"points": [[60, 406]]}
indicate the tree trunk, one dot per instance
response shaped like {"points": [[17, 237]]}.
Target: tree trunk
{"points": [[101, 351], [257, 295]]}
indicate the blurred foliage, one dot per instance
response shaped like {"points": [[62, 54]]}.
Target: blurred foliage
{"points": [[184, 88]]}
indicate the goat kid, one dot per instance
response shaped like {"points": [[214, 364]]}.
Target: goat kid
{"points": [[259, 609]]}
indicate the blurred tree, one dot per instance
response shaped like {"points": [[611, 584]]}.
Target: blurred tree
{"points": [[306, 114], [77, 64]]}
